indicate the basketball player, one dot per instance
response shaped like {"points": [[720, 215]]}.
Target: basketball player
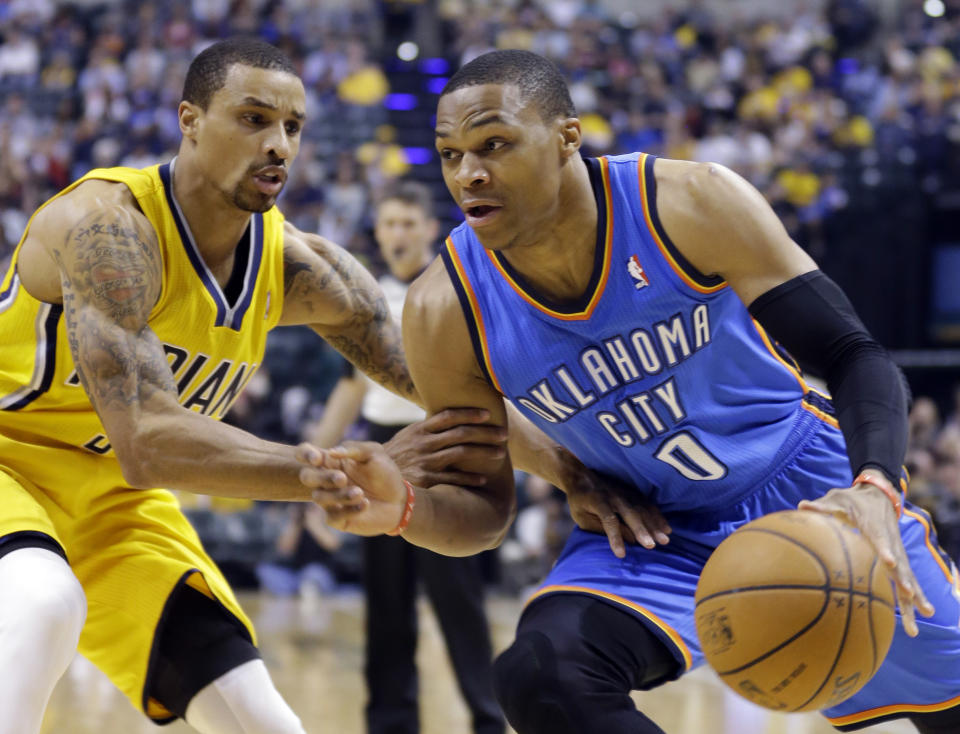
{"points": [[405, 230], [632, 308], [134, 312]]}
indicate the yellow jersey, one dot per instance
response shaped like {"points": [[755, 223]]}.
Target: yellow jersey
{"points": [[213, 346], [58, 474]]}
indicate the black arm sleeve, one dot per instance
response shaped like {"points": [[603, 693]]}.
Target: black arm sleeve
{"points": [[813, 320]]}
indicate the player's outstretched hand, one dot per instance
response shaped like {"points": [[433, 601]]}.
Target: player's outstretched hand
{"points": [[332, 488], [425, 452], [870, 511], [367, 468], [601, 505]]}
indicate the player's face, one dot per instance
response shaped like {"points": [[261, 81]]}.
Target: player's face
{"points": [[249, 135], [501, 162], [404, 233]]}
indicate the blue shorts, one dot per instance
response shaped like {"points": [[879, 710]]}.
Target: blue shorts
{"points": [[920, 674]]}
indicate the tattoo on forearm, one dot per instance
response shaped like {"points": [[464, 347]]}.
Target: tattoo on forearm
{"points": [[337, 290], [111, 279]]}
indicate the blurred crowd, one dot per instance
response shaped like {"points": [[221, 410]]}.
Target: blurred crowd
{"points": [[933, 461], [847, 121]]}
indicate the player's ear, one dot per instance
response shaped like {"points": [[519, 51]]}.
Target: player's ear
{"points": [[570, 136], [189, 116]]}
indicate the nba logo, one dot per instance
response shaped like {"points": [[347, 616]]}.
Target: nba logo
{"points": [[637, 272]]}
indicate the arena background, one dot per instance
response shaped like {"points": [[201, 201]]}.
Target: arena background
{"points": [[845, 114]]}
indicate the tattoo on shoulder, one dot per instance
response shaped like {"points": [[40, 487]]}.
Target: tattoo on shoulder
{"points": [[111, 271], [292, 267]]}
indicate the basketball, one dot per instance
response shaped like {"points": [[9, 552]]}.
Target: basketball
{"points": [[795, 611]]}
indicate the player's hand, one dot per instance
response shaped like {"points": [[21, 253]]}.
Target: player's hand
{"points": [[870, 511], [602, 505], [366, 467], [332, 488], [425, 452]]}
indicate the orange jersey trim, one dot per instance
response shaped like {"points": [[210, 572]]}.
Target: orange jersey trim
{"points": [[669, 631], [896, 708], [475, 308], [926, 538], [587, 312], [826, 418], [664, 250]]}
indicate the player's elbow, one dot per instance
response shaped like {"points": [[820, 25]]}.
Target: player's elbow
{"points": [[137, 468], [504, 512], [141, 458]]}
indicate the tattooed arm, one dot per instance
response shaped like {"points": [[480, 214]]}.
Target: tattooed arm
{"points": [[95, 251], [328, 290]]}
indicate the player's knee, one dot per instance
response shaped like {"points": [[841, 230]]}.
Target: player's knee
{"points": [[533, 682], [50, 603]]}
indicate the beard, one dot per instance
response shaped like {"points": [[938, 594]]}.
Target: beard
{"points": [[251, 201]]}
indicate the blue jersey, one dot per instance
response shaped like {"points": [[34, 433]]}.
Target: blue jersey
{"points": [[658, 375]]}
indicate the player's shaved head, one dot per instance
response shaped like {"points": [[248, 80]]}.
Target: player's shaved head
{"points": [[537, 78], [208, 71]]}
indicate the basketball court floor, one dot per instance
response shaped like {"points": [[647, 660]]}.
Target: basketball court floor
{"points": [[314, 649]]}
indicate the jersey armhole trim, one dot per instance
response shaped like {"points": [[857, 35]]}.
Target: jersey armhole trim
{"points": [[681, 266], [45, 360], [471, 311]]}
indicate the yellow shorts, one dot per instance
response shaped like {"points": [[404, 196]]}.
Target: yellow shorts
{"points": [[129, 548]]}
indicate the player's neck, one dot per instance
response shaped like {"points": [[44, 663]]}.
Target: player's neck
{"points": [[559, 262], [216, 225]]}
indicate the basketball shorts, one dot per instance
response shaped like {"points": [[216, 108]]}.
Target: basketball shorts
{"points": [[130, 548], [920, 674]]}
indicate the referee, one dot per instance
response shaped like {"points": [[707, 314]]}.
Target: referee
{"points": [[405, 229]]}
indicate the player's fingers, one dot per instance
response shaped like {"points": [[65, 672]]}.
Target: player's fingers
{"points": [[333, 508], [494, 435], [907, 581], [658, 524], [360, 451], [322, 478], [307, 453], [459, 478], [611, 528], [637, 523], [340, 500], [455, 416], [907, 616], [467, 452]]}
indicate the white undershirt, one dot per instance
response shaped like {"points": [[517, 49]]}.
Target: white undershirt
{"points": [[379, 404]]}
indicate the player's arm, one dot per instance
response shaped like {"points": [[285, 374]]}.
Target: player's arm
{"points": [[326, 289], [724, 226], [106, 255], [447, 518], [453, 519]]}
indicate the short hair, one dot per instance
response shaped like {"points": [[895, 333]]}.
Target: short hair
{"points": [[537, 78], [412, 193], [208, 71]]}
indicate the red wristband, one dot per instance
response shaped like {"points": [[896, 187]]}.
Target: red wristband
{"points": [[884, 486], [407, 511]]}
